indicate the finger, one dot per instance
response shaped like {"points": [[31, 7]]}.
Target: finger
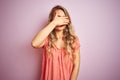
{"points": [[66, 20], [64, 17], [65, 23]]}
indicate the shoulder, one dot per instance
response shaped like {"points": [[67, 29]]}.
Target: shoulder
{"points": [[76, 42], [76, 38]]}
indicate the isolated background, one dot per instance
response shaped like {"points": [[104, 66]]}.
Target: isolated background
{"points": [[97, 24]]}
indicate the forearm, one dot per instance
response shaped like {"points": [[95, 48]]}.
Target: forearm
{"points": [[76, 66], [42, 34], [75, 73]]}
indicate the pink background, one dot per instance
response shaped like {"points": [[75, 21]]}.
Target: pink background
{"points": [[97, 24]]}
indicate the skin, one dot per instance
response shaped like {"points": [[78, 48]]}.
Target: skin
{"points": [[59, 23]]}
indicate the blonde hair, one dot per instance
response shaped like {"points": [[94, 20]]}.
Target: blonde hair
{"points": [[68, 33]]}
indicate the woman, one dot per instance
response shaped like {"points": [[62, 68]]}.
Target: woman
{"points": [[61, 57]]}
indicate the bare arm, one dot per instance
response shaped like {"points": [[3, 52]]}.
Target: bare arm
{"points": [[39, 39], [76, 65]]}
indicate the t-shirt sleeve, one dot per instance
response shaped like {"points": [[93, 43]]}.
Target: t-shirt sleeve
{"points": [[46, 43], [77, 43]]}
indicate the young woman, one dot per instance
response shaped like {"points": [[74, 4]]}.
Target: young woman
{"points": [[61, 56]]}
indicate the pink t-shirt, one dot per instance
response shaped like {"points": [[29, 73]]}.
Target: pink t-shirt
{"points": [[58, 66]]}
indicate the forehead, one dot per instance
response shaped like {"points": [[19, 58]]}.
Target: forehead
{"points": [[59, 12]]}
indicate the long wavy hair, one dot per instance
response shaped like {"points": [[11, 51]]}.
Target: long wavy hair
{"points": [[68, 33]]}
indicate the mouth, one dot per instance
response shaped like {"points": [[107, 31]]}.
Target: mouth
{"points": [[61, 26]]}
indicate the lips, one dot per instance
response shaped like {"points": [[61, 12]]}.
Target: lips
{"points": [[61, 26]]}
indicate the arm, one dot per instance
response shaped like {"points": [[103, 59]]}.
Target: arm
{"points": [[76, 65], [39, 39]]}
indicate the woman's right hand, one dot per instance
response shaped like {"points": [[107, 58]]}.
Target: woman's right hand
{"points": [[60, 20]]}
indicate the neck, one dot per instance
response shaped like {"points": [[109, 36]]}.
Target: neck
{"points": [[59, 34]]}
